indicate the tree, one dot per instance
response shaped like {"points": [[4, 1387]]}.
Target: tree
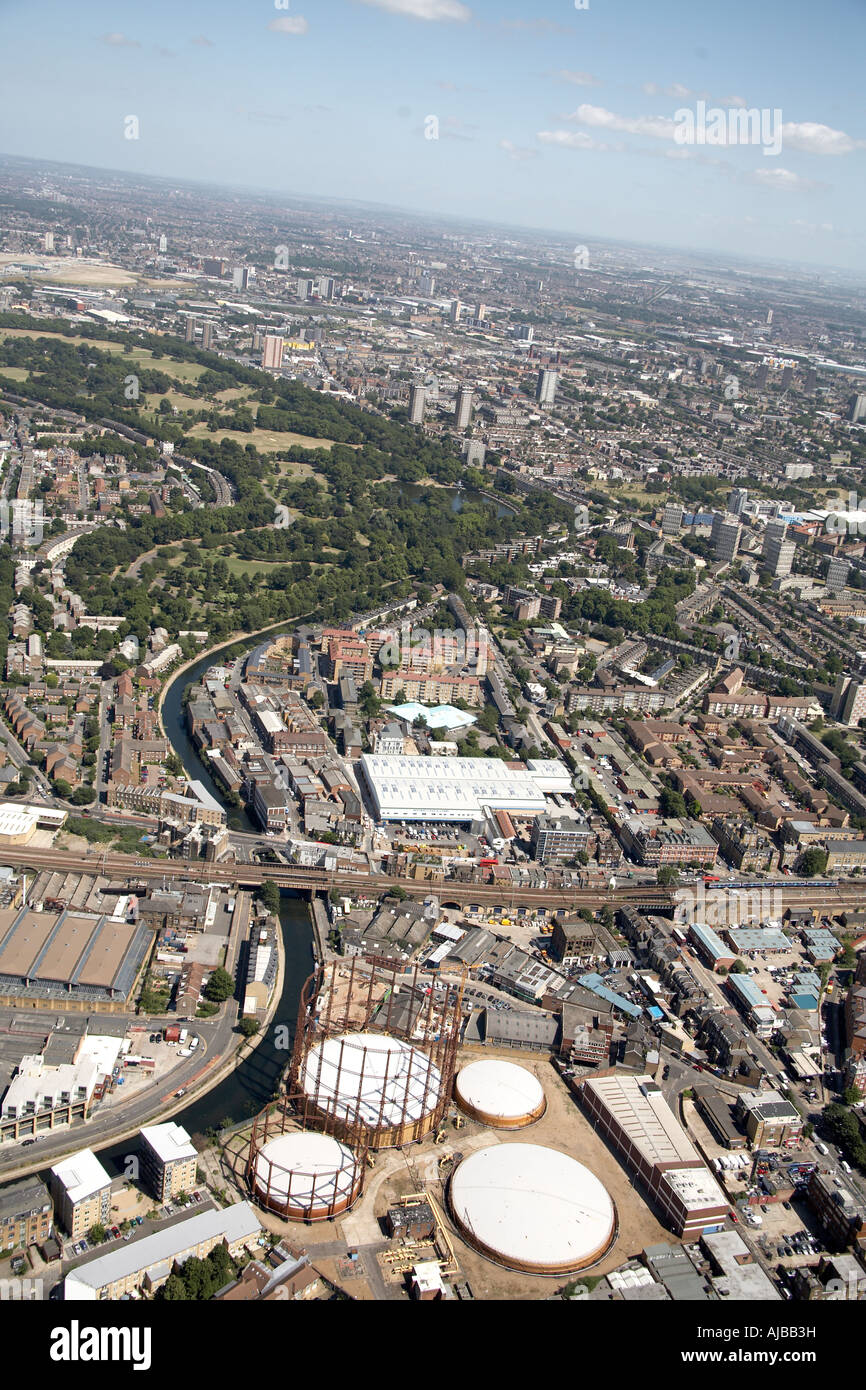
{"points": [[268, 895], [739, 968], [851, 1096], [672, 804], [97, 1233], [249, 1027], [667, 876], [220, 986], [812, 862]]}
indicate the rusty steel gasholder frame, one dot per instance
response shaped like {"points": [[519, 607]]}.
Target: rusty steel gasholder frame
{"points": [[359, 995], [368, 995], [262, 1174]]}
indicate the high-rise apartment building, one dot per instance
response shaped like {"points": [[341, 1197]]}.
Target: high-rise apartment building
{"points": [[272, 352], [463, 408], [725, 536], [206, 335], [417, 402], [738, 500], [858, 408], [778, 551], [189, 336], [837, 574], [848, 704]]}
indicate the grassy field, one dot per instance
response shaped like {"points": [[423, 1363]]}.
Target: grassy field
{"points": [[268, 441], [180, 371]]}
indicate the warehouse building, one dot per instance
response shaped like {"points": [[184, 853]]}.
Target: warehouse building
{"points": [[632, 1115], [752, 1002], [711, 947], [459, 789], [69, 957]]}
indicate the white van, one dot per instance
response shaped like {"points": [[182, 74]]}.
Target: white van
{"points": [[846, 1167], [822, 1148]]}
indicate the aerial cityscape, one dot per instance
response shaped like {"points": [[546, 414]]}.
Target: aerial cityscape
{"points": [[433, 708]]}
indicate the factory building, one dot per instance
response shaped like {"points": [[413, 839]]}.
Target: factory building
{"points": [[631, 1113]]}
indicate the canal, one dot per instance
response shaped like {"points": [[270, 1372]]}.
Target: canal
{"points": [[250, 1086]]}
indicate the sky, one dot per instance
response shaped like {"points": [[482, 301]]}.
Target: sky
{"points": [[532, 113]]}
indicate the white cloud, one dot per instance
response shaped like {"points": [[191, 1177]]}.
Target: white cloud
{"points": [[571, 140], [434, 10], [784, 181], [734, 101], [202, 41], [517, 152], [289, 24], [674, 89], [659, 127], [578, 79], [815, 138], [120, 41]]}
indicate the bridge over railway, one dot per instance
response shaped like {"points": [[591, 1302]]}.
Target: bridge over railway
{"points": [[796, 896]]}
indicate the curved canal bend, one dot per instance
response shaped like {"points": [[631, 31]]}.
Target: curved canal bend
{"points": [[251, 1085]]}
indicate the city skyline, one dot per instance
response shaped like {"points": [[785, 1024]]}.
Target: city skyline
{"points": [[565, 119]]}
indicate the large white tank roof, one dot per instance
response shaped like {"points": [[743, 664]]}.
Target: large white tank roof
{"points": [[532, 1208], [500, 1090], [373, 1078], [305, 1169]]}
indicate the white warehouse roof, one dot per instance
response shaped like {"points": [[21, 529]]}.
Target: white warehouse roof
{"points": [[456, 789]]}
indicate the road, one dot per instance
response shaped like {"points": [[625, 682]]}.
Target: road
{"points": [[110, 1123]]}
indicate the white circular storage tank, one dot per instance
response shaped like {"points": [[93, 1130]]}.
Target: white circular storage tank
{"points": [[307, 1176], [532, 1208], [500, 1094], [373, 1080]]}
